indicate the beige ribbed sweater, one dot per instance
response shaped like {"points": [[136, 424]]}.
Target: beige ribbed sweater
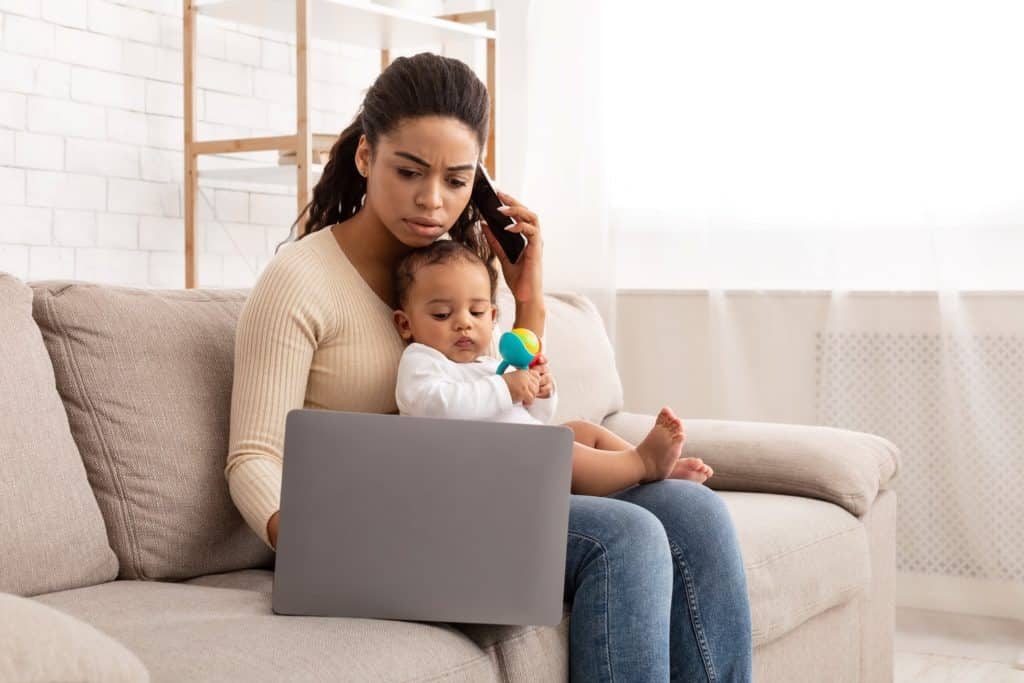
{"points": [[312, 334]]}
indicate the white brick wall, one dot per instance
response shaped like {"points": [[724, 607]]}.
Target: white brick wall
{"points": [[91, 138]]}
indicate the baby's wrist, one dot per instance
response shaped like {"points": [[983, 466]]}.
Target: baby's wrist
{"points": [[511, 388]]}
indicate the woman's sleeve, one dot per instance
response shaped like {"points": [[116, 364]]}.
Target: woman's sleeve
{"points": [[280, 326]]}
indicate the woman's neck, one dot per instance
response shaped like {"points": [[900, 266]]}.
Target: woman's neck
{"points": [[367, 242]]}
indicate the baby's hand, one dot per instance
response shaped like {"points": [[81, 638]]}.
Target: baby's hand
{"points": [[523, 385], [547, 384]]}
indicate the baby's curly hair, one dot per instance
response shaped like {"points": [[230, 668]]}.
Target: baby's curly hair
{"points": [[441, 251]]}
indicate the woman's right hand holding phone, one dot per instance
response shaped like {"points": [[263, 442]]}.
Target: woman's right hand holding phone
{"points": [[523, 385]]}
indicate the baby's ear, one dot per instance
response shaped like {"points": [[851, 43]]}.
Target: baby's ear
{"points": [[402, 325]]}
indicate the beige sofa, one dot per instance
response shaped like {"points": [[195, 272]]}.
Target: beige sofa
{"points": [[125, 560]]}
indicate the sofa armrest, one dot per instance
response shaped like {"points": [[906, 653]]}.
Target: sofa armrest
{"points": [[838, 465], [40, 643]]}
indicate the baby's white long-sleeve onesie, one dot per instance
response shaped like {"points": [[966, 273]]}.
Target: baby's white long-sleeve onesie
{"points": [[432, 385]]}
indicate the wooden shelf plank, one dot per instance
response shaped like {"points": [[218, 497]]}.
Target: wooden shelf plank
{"points": [[281, 176], [351, 21]]}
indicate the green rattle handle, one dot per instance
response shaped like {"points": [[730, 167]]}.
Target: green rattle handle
{"points": [[502, 367]]}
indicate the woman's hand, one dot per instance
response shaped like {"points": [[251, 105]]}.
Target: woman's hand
{"points": [[272, 528], [524, 277]]}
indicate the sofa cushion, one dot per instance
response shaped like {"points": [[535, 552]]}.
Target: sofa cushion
{"points": [[145, 376], [185, 632], [523, 654], [40, 643], [580, 355], [52, 536], [802, 557]]}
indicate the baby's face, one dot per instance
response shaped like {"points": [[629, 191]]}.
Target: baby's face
{"points": [[449, 309]]}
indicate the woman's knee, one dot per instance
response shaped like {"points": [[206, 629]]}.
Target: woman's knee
{"points": [[695, 498], [620, 527], [640, 537], [684, 507]]}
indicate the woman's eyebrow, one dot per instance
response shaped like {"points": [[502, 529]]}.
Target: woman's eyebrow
{"points": [[410, 157]]}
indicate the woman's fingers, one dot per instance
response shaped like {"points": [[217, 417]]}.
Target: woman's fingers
{"points": [[508, 199], [517, 210], [522, 215]]}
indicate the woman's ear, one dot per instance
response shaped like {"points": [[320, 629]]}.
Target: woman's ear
{"points": [[362, 160], [402, 325]]}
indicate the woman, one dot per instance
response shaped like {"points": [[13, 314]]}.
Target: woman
{"points": [[653, 573]]}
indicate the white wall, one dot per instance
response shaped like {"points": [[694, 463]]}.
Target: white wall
{"points": [[91, 138], [753, 356]]}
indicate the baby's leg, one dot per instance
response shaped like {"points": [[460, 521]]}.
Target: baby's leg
{"points": [[596, 436], [599, 473], [604, 463]]}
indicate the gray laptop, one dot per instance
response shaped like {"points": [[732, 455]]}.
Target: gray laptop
{"points": [[422, 519]]}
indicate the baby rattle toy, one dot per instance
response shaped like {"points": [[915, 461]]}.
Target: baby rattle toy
{"points": [[519, 348]]}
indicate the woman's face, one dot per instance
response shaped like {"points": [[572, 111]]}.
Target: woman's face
{"points": [[421, 178]]}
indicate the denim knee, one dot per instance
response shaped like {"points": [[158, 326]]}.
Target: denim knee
{"points": [[639, 535], [687, 510]]}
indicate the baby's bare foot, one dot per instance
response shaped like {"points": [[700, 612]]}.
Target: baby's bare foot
{"points": [[693, 469], [661, 448]]}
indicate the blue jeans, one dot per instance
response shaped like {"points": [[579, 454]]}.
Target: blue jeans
{"points": [[657, 588]]}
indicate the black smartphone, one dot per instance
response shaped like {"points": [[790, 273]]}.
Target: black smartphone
{"points": [[485, 198]]}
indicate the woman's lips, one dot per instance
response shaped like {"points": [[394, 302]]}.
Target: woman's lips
{"points": [[424, 229]]}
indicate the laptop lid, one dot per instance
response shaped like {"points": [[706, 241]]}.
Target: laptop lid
{"points": [[424, 519]]}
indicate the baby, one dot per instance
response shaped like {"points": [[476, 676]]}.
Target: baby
{"points": [[446, 295]]}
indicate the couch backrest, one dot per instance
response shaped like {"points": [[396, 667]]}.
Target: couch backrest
{"points": [[146, 379], [52, 536], [579, 353]]}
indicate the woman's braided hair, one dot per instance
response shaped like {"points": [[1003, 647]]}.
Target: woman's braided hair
{"points": [[425, 84]]}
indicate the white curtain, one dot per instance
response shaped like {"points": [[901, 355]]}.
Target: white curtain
{"points": [[857, 149], [557, 161]]}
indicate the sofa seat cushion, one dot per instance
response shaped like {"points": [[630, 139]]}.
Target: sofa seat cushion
{"points": [[522, 654], [52, 536], [802, 557], [145, 376], [185, 632]]}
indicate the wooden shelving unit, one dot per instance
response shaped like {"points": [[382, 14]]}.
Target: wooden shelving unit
{"points": [[345, 21]]}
